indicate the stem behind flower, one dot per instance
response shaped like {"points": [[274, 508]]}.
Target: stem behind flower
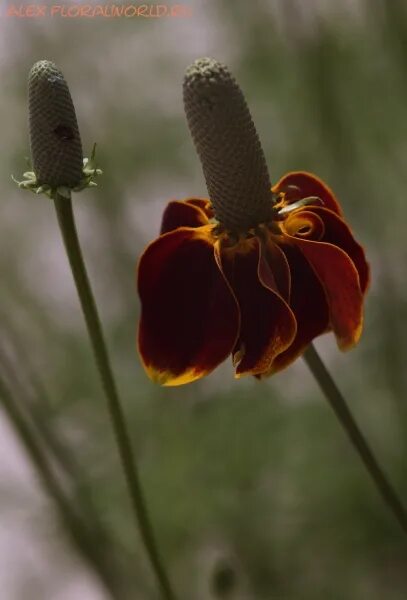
{"points": [[340, 408]]}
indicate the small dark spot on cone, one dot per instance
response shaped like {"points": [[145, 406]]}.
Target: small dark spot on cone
{"points": [[64, 133]]}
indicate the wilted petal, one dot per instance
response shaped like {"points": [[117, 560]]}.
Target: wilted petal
{"points": [[338, 233], [267, 323], [308, 185], [309, 305], [184, 213], [190, 318], [340, 280]]}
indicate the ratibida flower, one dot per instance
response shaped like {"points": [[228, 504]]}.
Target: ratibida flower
{"points": [[255, 272]]}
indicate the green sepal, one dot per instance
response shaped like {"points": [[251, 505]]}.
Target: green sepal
{"points": [[89, 172]]}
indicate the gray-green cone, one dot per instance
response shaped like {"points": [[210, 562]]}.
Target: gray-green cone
{"points": [[55, 141], [226, 140]]}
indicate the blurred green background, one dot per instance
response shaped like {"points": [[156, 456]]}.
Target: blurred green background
{"points": [[254, 490]]}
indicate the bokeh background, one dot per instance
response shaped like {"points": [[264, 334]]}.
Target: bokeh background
{"points": [[253, 488]]}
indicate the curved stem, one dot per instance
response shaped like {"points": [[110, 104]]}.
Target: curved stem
{"points": [[77, 527], [340, 408], [35, 408], [70, 237]]}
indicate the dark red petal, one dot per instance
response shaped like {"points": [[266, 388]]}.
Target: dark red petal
{"points": [[182, 213], [279, 268], [190, 318], [338, 233], [309, 305], [340, 280], [309, 185], [304, 224], [267, 323], [204, 204]]}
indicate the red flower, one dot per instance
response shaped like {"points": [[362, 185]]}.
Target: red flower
{"points": [[258, 280]]}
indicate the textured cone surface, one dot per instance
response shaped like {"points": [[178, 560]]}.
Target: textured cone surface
{"points": [[55, 142], [226, 140]]}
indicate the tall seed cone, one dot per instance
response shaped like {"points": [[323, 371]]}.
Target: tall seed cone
{"points": [[55, 142], [227, 143]]}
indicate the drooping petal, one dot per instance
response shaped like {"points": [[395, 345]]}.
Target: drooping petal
{"points": [[309, 305], [279, 269], [340, 280], [190, 319], [267, 323], [339, 234], [184, 213], [308, 185]]}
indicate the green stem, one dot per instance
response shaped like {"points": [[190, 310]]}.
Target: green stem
{"points": [[74, 525], [70, 237], [340, 408], [36, 411]]}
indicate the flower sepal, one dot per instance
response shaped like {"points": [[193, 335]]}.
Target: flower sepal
{"points": [[89, 172]]}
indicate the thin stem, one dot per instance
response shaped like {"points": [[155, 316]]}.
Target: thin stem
{"points": [[36, 412], [76, 527], [340, 408], [70, 237]]}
